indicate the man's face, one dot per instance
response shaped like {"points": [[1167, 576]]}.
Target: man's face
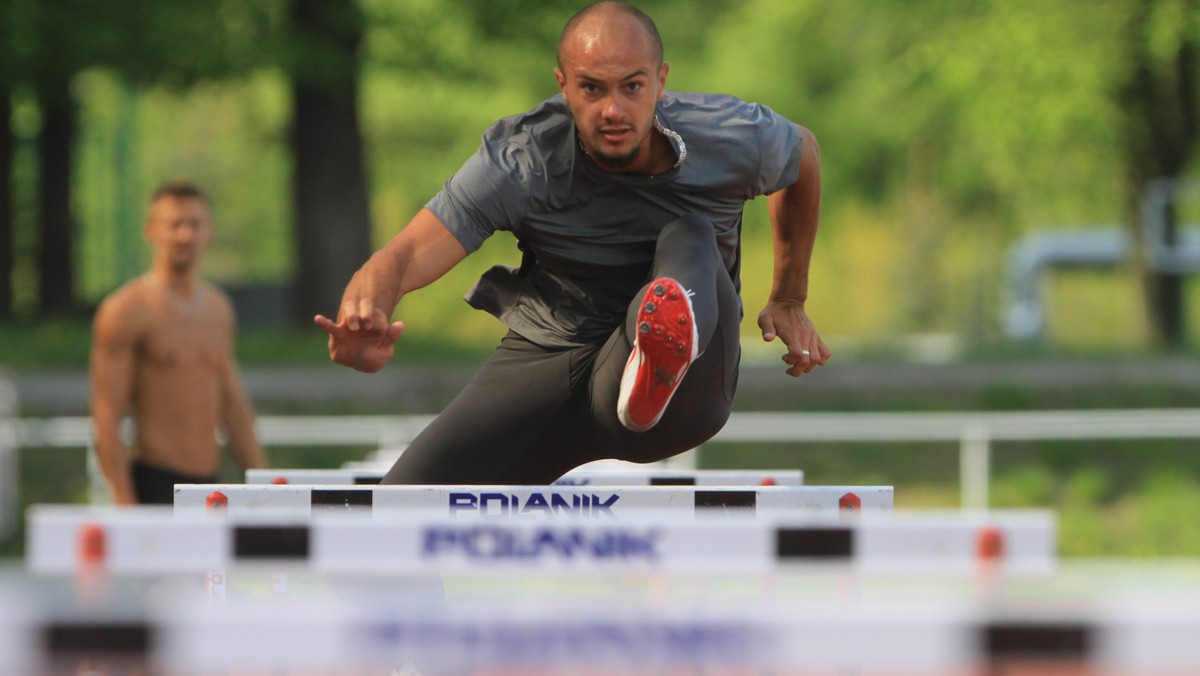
{"points": [[178, 230], [611, 80]]}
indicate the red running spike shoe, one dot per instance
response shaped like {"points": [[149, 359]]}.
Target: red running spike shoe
{"points": [[664, 346]]}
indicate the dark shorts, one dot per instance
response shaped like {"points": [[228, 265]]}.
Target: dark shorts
{"points": [[156, 486]]}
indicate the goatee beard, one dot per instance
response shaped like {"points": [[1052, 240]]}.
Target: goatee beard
{"points": [[616, 161]]}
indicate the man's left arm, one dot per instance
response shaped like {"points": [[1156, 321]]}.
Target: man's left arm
{"points": [[794, 212]]}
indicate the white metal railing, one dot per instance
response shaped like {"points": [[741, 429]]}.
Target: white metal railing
{"points": [[973, 431]]}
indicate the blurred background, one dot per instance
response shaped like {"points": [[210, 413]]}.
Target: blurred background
{"points": [[1006, 219]]}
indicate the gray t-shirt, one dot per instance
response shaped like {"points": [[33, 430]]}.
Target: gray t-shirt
{"points": [[592, 233]]}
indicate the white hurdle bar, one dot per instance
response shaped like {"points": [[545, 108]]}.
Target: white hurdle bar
{"points": [[910, 636], [535, 502], [658, 477], [160, 541]]}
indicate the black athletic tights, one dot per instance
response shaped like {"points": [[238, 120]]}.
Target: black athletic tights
{"points": [[530, 414]]}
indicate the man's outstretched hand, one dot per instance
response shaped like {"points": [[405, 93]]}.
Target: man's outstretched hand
{"points": [[790, 323], [363, 345]]}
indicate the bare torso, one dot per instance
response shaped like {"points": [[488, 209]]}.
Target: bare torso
{"points": [[180, 355]]}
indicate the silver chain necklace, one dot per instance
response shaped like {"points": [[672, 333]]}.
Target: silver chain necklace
{"points": [[674, 136]]}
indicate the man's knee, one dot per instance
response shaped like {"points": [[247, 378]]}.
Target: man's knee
{"points": [[689, 241], [693, 227]]}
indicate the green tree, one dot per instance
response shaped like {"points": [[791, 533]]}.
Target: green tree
{"points": [[970, 123], [60, 46], [1156, 91], [7, 153], [174, 43], [329, 186]]}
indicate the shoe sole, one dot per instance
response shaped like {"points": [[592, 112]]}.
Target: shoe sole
{"points": [[664, 347]]}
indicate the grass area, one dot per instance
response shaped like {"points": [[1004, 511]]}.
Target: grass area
{"points": [[64, 344], [1113, 499], [55, 344]]}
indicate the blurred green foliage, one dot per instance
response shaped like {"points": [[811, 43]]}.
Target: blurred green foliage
{"points": [[947, 130]]}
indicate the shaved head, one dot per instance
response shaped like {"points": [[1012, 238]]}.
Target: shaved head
{"points": [[594, 16], [611, 74]]}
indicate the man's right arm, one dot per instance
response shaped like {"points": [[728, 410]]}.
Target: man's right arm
{"points": [[364, 336], [112, 367]]}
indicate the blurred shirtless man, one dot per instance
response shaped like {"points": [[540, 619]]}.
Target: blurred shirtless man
{"points": [[162, 350]]}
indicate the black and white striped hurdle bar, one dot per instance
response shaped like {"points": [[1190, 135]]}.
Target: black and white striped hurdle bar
{"points": [[537, 502], [656, 477], [898, 635], [61, 539]]}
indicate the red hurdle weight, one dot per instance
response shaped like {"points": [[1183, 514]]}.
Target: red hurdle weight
{"points": [[216, 500]]}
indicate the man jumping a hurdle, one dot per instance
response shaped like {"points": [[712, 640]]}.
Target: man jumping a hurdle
{"points": [[626, 200]]}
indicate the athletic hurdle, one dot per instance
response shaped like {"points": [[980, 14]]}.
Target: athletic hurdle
{"points": [[1106, 634], [647, 477], [921, 628], [536, 502], [164, 541], [532, 626]]}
